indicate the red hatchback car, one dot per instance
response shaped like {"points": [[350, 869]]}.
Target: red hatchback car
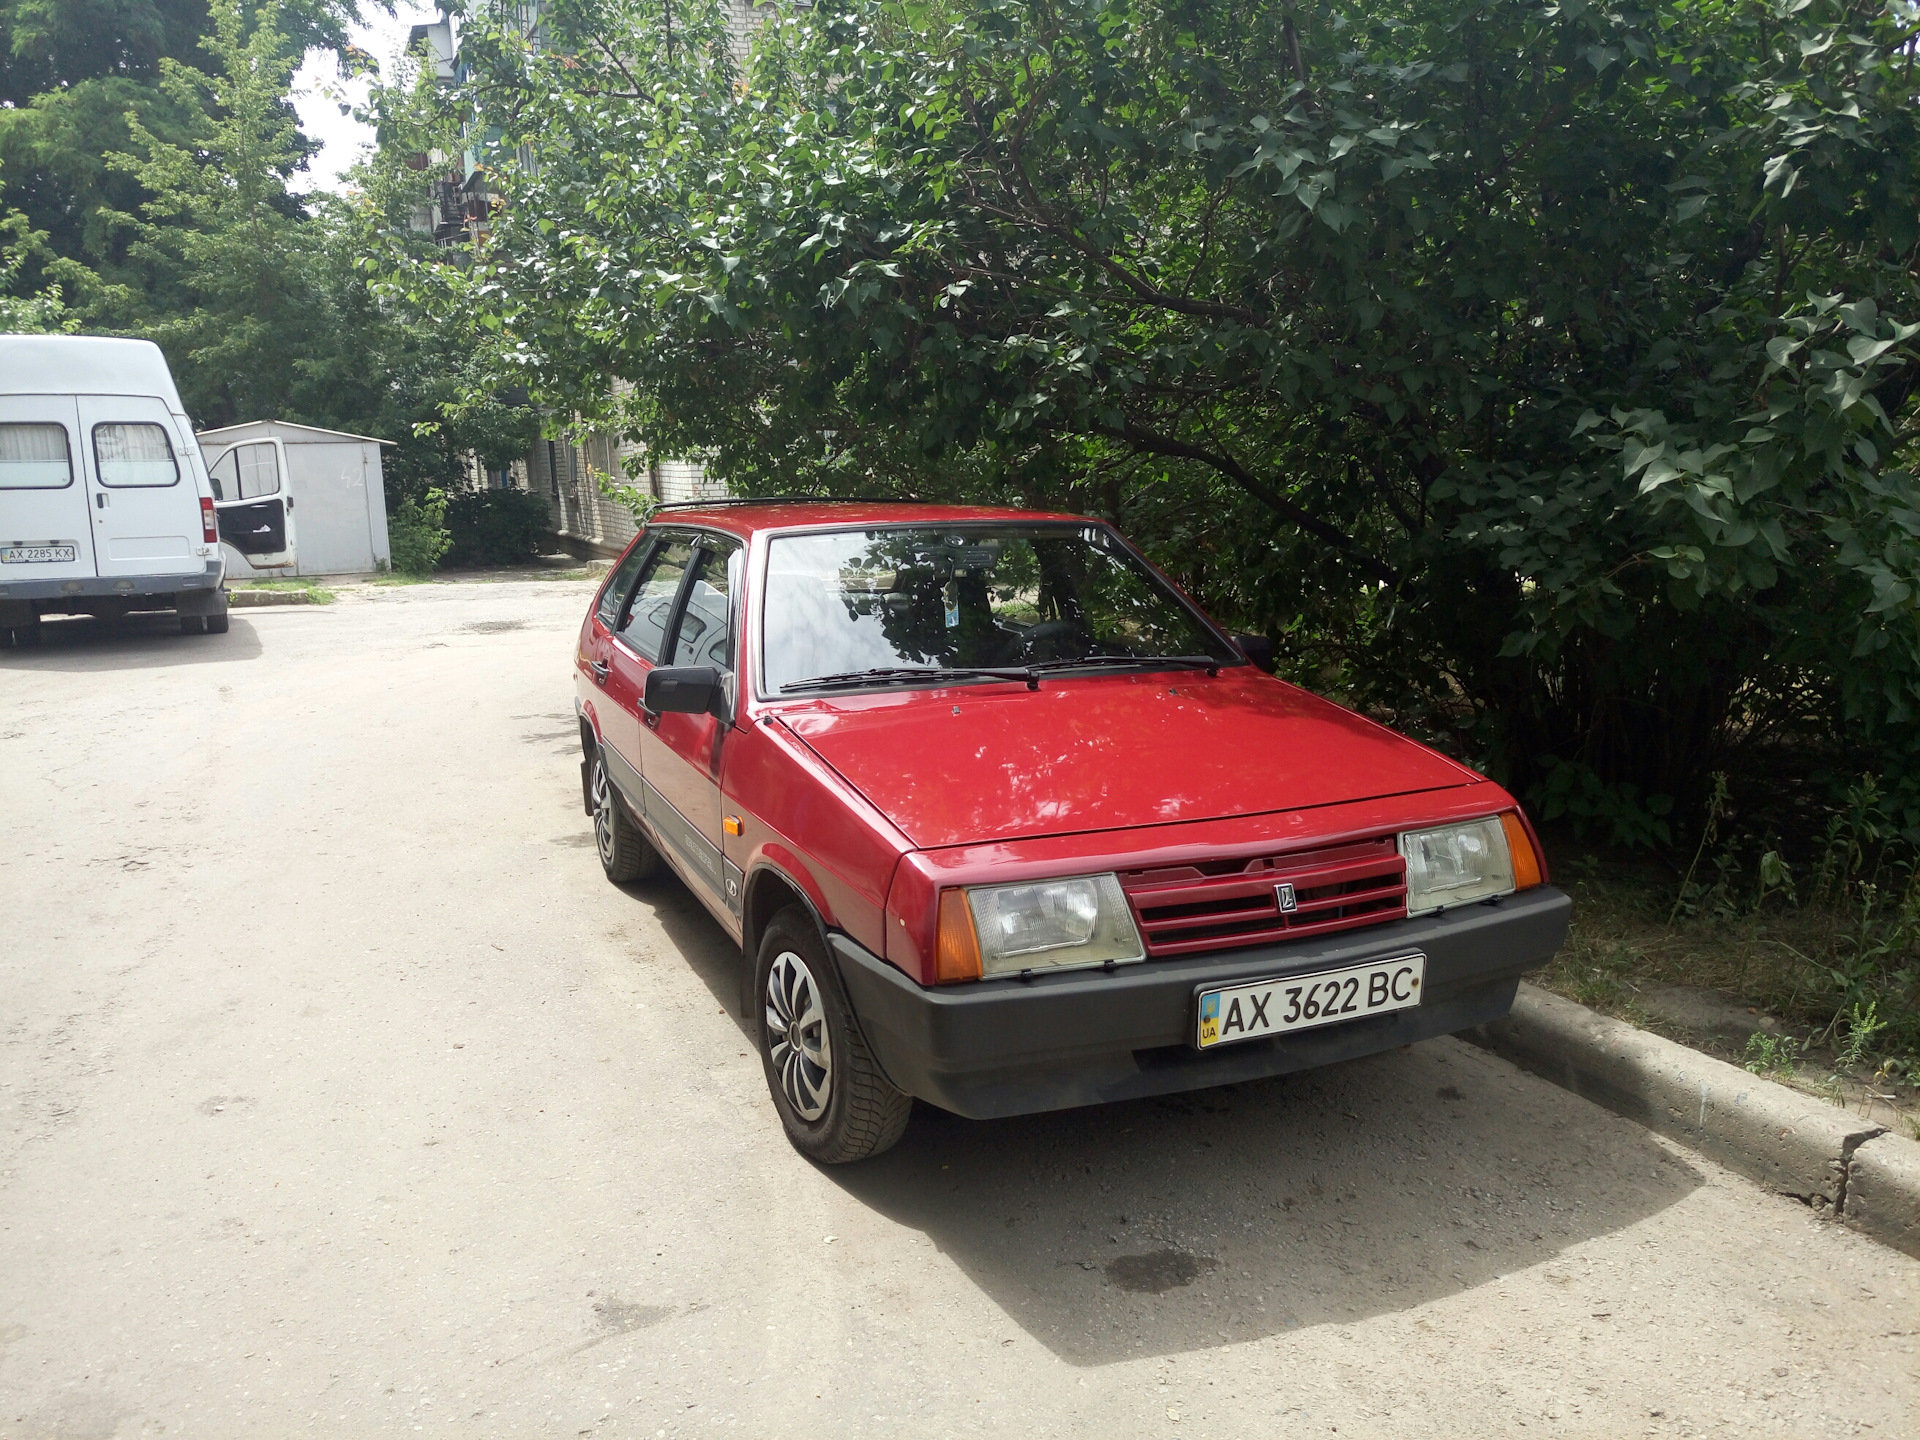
{"points": [[1003, 822]]}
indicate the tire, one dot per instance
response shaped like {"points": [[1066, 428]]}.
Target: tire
{"points": [[833, 1101], [625, 854], [193, 624], [217, 623], [28, 634]]}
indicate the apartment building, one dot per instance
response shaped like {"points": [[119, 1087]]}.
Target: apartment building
{"points": [[567, 474]]}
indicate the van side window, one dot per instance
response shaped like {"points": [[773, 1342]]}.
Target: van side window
{"points": [[246, 472], [134, 455], [613, 599], [34, 457], [224, 476]]}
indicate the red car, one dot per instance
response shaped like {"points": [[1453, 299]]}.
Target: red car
{"points": [[1003, 822]]}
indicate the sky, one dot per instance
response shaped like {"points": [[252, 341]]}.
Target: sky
{"points": [[319, 91]]}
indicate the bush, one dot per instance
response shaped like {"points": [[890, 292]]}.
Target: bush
{"points": [[496, 527], [417, 534]]}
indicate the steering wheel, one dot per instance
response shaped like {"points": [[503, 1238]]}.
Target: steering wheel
{"points": [[1052, 639]]}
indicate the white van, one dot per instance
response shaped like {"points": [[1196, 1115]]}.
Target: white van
{"points": [[106, 505]]}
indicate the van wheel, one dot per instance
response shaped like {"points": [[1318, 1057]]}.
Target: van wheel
{"points": [[834, 1103], [217, 623], [28, 634], [625, 854], [193, 624]]}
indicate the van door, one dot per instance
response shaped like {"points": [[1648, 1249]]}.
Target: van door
{"points": [[45, 531], [144, 504], [253, 503]]}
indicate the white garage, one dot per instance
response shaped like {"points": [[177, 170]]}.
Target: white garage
{"points": [[337, 497]]}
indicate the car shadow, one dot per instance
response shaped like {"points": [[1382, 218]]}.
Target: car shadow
{"points": [[137, 642], [1163, 1226], [1180, 1223]]}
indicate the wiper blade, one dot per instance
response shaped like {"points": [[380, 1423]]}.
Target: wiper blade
{"points": [[897, 674], [1152, 662]]}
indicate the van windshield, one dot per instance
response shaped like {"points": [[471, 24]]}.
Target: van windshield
{"points": [[966, 597]]}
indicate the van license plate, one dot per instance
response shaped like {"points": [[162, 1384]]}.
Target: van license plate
{"points": [[1301, 1002], [35, 554]]}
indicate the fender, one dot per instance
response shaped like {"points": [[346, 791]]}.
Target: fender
{"points": [[792, 869]]}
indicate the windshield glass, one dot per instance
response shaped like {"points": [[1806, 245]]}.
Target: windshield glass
{"points": [[965, 596]]}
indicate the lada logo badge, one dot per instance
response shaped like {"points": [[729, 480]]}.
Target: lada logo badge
{"points": [[1289, 902]]}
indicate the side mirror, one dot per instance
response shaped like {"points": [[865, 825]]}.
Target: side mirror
{"points": [[1258, 649], [684, 690]]}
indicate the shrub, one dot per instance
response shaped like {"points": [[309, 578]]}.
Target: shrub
{"points": [[496, 527], [417, 534]]}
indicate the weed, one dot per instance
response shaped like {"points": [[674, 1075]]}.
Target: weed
{"points": [[417, 533], [1773, 1054], [1861, 1028], [316, 594]]}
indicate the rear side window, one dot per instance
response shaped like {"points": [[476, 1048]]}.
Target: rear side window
{"points": [[620, 584], [34, 457], [134, 455], [646, 628]]}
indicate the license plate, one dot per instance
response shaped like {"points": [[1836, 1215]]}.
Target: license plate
{"points": [[35, 554], [1301, 1002]]}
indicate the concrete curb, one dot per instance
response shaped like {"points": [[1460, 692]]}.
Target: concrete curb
{"points": [[1790, 1143], [254, 599]]}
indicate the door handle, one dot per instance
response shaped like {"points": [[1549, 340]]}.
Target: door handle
{"points": [[599, 669], [651, 718]]}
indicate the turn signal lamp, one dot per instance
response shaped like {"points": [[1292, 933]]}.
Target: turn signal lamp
{"points": [[1526, 861], [207, 531], [957, 946]]}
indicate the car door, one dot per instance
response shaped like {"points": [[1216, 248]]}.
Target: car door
{"points": [[46, 529], [253, 504], [616, 709], [681, 754], [635, 648], [146, 508]]}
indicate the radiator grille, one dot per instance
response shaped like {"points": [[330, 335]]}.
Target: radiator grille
{"points": [[1223, 904]]}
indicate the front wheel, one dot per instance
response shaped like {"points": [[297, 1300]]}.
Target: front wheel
{"points": [[834, 1102], [625, 853]]}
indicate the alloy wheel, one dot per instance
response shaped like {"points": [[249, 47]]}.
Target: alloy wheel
{"points": [[603, 812], [798, 1043]]}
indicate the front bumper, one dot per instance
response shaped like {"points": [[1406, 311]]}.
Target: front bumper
{"points": [[1011, 1047]]}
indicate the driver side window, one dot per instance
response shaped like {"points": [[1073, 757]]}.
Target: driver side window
{"points": [[705, 636], [646, 627]]}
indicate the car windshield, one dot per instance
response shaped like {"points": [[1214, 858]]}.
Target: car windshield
{"points": [[965, 597]]}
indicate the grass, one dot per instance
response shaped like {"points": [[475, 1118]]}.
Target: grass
{"points": [[1842, 1037], [316, 594]]}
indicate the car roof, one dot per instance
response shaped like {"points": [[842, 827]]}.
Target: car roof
{"points": [[747, 519]]}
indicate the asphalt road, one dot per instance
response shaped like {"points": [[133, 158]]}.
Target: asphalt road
{"points": [[341, 1096]]}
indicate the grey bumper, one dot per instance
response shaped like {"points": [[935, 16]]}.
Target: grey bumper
{"points": [[1011, 1047], [122, 587]]}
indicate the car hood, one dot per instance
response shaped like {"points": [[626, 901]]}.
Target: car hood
{"points": [[968, 764]]}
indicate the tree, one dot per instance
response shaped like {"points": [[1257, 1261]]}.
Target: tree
{"points": [[1540, 372], [71, 71]]}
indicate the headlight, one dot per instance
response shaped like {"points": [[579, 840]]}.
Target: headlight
{"points": [[1456, 864], [1052, 925]]}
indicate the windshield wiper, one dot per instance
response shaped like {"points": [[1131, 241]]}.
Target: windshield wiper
{"points": [[1155, 662], [903, 674]]}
